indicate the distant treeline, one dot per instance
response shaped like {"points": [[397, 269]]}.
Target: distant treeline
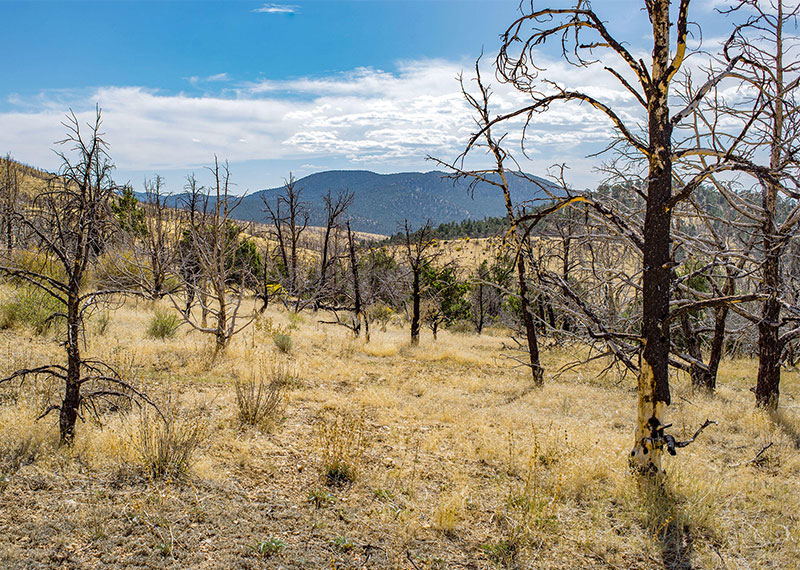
{"points": [[487, 227]]}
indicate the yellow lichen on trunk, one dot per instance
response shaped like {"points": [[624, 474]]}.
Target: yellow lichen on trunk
{"points": [[645, 456]]}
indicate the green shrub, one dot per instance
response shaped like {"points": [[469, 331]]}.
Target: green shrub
{"points": [[342, 544], [32, 307], [295, 319], [283, 342], [163, 325], [320, 498], [502, 553]]}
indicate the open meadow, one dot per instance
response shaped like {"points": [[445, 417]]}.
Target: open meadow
{"points": [[383, 455]]}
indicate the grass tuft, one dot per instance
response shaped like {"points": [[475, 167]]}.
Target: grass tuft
{"points": [[165, 446], [260, 402], [342, 441], [163, 325]]}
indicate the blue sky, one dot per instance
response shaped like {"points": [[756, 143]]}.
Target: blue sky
{"points": [[277, 87]]}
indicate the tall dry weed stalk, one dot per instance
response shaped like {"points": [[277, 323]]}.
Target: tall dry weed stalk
{"points": [[165, 445], [341, 442], [261, 401]]}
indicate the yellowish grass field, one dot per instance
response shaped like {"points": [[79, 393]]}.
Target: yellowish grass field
{"points": [[456, 462]]}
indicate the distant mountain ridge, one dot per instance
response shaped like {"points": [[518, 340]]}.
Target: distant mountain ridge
{"points": [[381, 202]]}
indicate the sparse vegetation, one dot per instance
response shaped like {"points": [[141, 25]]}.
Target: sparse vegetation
{"points": [[450, 448], [342, 440], [501, 437], [342, 544], [269, 547]]}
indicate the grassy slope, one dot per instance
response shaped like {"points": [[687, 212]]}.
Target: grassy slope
{"points": [[463, 466]]}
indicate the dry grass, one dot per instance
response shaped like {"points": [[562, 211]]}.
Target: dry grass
{"points": [[260, 401], [456, 462]]}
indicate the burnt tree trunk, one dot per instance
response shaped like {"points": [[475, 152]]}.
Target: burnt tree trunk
{"points": [[537, 372], [415, 298], [72, 387], [717, 348], [769, 346], [358, 309], [653, 382], [479, 317], [264, 297]]}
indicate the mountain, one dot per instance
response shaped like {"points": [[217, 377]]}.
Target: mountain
{"points": [[382, 201]]}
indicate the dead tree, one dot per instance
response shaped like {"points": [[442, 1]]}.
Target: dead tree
{"points": [[383, 283], [717, 245], [359, 315], [9, 196], [766, 59], [480, 296], [587, 42], [289, 217], [335, 209], [195, 208], [159, 233], [498, 176], [217, 284], [418, 250], [69, 222]]}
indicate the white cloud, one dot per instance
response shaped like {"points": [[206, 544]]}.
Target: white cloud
{"points": [[366, 118], [277, 9]]}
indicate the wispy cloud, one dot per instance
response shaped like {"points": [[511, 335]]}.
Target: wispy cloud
{"points": [[216, 78], [277, 9]]}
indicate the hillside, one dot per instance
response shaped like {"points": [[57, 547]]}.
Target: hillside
{"points": [[382, 201], [31, 180]]}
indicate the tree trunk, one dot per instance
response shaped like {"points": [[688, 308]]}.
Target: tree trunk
{"points": [[221, 329], [324, 264], [480, 316], [769, 347], [717, 347], [203, 306], [9, 234], [72, 387], [265, 292], [358, 309], [653, 384], [703, 378], [415, 294], [158, 278], [537, 372], [530, 328]]}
